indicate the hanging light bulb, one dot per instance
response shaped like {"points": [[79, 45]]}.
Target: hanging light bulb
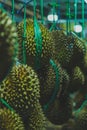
{"points": [[78, 28], [85, 1], [52, 16]]}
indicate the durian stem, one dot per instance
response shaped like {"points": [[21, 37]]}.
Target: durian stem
{"points": [[56, 85], [6, 104]]}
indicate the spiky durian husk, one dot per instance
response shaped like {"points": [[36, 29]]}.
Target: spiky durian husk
{"points": [[9, 120], [21, 89], [60, 110], [77, 80], [65, 82], [63, 47], [79, 51], [36, 119], [48, 82], [83, 64], [81, 120], [30, 44], [47, 78], [8, 44]]}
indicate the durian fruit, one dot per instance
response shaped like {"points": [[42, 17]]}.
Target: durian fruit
{"points": [[79, 51], [36, 119], [77, 80], [60, 110], [65, 82], [83, 65], [63, 48], [49, 83], [30, 45], [8, 44], [47, 77], [21, 89], [81, 118], [9, 120]]}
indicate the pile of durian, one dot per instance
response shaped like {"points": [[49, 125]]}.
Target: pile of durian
{"points": [[55, 91]]}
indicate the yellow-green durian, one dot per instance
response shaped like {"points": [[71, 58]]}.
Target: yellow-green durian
{"points": [[30, 44], [77, 80], [63, 47], [9, 120], [36, 119], [21, 89], [8, 44]]}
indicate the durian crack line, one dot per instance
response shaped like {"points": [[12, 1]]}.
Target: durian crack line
{"points": [[6, 104], [45, 107]]}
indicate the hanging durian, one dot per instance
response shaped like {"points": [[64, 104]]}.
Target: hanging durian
{"points": [[9, 120], [21, 89], [30, 44], [77, 80], [36, 119], [63, 48], [52, 81], [79, 51], [60, 110], [8, 44], [47, 77]]}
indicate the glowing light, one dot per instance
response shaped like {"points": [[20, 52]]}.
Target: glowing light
{"points": [[52, 17], [85, 1], [77, 28]]}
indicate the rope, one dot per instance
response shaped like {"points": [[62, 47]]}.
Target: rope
{"points": [[42, 18], [68, 25], [54, 66], [6, 104], [82, 106], [38, 39], [19, 11], [13, 10], [83, 21], [54, 27], [24, 36], [75, 5]]}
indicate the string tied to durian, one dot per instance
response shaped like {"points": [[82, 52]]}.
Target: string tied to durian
{"points": [[38, 39], [54, 66], [42, 18], [68, 14], [19, 11], [12, 10], [24, 36], [54, 25], [76, 112], [6, 104]]}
